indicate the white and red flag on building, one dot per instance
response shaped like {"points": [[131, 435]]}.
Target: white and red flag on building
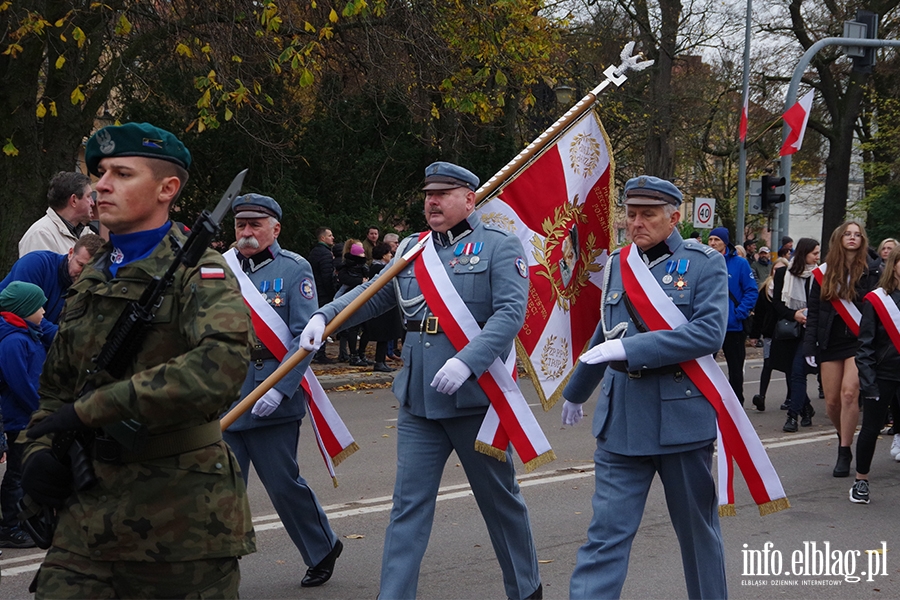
{"points": [[560, 207], [796, 118]]}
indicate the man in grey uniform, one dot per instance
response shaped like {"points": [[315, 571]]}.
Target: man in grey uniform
{"points": [[268, 434], [650, 418], [442, 405]]}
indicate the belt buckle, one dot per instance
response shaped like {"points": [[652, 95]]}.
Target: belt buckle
{"points": [[431, 325], [634, 374]]}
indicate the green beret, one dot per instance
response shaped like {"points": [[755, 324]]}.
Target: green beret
{"points": [[135, 139], [22, 299]]}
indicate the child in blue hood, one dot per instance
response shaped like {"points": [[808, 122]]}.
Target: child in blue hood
{"points": [[23, 350]]}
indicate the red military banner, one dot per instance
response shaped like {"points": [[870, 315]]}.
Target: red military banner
{"points": [[561, 208]]}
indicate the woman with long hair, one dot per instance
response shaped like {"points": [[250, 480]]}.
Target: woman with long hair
{"points": [[878, 361], [832, 337], [789, 301]]}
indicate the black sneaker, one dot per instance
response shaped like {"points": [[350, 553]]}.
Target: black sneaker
{"points": [[13, 537], [790, 426], [859, 493], [786, 405]]}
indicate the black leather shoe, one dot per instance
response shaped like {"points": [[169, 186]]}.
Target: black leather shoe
{"points": [[380, 367], [759, 401], [786, 405], [321, 573], [790, 426], [356, 361], [537, 594]]}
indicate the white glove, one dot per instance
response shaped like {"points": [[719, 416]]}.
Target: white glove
{"points": [[266, 405], [605, 352], [311, 338], [811, 361], [451, 376], [572, 414]]}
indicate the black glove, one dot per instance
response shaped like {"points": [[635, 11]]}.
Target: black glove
{"points": [[65, 419], [46, 480]]}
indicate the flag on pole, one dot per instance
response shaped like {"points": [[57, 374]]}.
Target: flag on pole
{"points": [[742, 130], [560, 207], [796, 118]]}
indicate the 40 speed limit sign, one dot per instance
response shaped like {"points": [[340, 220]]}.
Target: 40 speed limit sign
{"points": [[704, 213]]}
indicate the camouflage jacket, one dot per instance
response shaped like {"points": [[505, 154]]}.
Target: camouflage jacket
{"points": [[189, 369]]}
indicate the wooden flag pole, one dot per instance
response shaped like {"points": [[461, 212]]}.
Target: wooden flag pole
{"points": [[614, 74], [491, 188]]}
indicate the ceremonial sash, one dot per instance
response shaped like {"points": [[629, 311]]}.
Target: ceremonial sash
{"points": [[888, 313], [848, 311], [737, 439], [333, 437], [508, 419]]}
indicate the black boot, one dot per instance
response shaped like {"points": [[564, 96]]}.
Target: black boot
{"points": [[842, 467], [759, 401], [380, 367], [806, 416]]}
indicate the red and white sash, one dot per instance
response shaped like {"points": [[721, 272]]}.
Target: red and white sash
{"points": [[848, 311], [888, 313], [333, 437], [736, 437], [509, 419]]}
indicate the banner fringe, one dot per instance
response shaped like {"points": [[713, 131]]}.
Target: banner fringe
{"points": [[540, 460], [727, 510], [345, 453], [334, 481], [486, 448], [773, 506]]}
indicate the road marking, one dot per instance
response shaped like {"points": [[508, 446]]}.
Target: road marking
{"points": [[448, 492]]}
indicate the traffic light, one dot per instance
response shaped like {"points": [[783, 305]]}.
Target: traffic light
{"points": [[864, 63], [769, 194]]}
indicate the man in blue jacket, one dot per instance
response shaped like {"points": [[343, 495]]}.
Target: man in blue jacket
{"points": [[742, 294], [53, 272]]}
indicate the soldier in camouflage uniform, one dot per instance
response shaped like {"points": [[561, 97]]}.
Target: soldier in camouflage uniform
{"points": [[170, 520]]}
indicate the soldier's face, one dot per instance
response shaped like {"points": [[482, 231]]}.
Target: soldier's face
{"points": [[446, 208], [131, 197], [648, 225], [255, 234]]}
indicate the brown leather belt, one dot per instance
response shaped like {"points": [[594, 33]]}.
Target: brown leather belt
{"points": [[429, 325], [622, 367]]}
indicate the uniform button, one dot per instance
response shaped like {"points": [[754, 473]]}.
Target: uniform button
{"points": [[99, 317], [471, 267], [218, 465], [687, 392], [124, 290], [428, 344]]}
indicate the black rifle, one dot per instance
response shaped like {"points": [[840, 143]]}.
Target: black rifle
{"points": [[118, 351]]}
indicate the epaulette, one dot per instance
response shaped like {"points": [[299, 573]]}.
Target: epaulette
{"points": [[293, 255], [700, 248], [495, 227]]}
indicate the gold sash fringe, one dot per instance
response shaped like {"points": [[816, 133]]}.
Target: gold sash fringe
{"points": [[344, 454], [727, 510], [490, 450], [773, 506], [538, 461]]}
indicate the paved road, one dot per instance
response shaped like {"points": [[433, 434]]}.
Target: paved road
{"points": [[460, 561]]}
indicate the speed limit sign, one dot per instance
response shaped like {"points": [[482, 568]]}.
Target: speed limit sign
{"points": [[704, 212]]}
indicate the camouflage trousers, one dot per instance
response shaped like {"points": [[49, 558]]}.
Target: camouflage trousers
{"points": [[67, 575]]}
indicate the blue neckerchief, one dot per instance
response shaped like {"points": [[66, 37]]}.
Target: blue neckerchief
{"points": [[135, 246]]}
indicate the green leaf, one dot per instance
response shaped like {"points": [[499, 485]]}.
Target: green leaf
{"points": [[123, 27], [77, 96], [60, 61], [306, 78], [10, 149]]}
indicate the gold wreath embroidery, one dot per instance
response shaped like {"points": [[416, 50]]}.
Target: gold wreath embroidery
{"points": [[555, 230], [499, 220], [584, 154], [545, 358]]}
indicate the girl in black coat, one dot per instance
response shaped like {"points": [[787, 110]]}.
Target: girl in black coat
{"points": [[878, 361]]}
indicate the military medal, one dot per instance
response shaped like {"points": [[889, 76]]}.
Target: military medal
{"points": [[264, 288], [454, 262], [279, 285], [467, 252], [670, 266], [681, 270]]}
